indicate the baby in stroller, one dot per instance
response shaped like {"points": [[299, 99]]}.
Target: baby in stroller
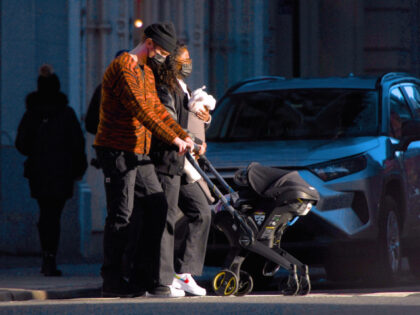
{"points": [[254, 219]]}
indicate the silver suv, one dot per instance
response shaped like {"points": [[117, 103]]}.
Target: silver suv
{"points": [[355, 140]]}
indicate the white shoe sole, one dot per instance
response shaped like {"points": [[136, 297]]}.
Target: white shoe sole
{"points": [[181, 286]]}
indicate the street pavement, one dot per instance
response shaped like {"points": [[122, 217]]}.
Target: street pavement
{"points": [[319, 304], [23, 290], [21, 280]]}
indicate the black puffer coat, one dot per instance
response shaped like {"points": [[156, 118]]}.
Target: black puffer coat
{"points": [[51, 136], [165, 156]]}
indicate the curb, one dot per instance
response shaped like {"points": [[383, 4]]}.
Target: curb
{"points": [[7, 295]]}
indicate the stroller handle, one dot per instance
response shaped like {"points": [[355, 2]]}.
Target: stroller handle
{"points": [[219, 195], [219, 178]]}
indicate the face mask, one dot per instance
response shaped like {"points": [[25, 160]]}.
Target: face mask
{"points": [[158, 58], [153, 64], [156, 61], [186, 69]]}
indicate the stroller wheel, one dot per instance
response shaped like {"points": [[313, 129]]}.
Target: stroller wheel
{"points": [[304, 282], [292, 284], [304, 285], [225, 283], [246, 284]]}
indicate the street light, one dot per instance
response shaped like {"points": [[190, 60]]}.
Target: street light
{"points": [[138, 23]]}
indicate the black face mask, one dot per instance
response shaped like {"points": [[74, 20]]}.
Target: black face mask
{"points": [[154, 65], [156, 61], [158, 58], [186, 69]]}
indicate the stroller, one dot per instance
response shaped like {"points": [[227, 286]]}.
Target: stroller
{"points": [[254, 219]]}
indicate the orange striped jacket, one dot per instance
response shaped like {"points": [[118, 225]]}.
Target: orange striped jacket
{"points": [[131, 111]]}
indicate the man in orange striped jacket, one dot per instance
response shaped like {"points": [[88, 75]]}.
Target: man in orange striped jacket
{"points": [[130, 113]]}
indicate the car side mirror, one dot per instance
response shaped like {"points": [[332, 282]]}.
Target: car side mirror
{"points": [[410, 131]]}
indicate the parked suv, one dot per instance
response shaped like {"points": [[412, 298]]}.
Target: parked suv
{"points": [[355, 140]]}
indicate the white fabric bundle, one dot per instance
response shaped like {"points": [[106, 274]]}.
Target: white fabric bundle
{"points": [[192, 175], [199, 98], [197, 101]]}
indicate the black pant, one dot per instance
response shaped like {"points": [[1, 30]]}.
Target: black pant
{"points": [[135, 202], [194, 205], [49, 222]]}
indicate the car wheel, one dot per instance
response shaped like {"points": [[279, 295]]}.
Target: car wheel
{"points": [[393, 247], [391, 243], [386, 267]]}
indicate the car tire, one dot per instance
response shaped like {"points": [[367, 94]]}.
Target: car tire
{"points": [[385, 269]]}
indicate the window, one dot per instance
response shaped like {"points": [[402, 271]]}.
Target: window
{"points": [[399, 112], [328, 113], [413, 95]]}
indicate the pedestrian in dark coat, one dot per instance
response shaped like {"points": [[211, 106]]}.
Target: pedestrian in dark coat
{"points": [[50, 135]]}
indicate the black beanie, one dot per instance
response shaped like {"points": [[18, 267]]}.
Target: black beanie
{"points": [[163, 34], [48, 80]]}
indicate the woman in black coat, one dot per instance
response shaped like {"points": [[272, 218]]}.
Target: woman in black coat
{"points": [[50, 135], [177, 269]]}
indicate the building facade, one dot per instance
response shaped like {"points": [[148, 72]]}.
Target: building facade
{"points": [[229, 40]]}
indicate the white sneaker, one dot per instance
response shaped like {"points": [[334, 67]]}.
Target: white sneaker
{"points": [[176, 292], [186, 282]]}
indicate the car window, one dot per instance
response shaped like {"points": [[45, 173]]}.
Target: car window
{"points": [[399, 112], [296, 114], [413, 95], [218, 127]]}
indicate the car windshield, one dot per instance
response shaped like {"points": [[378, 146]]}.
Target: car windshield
{"points": [[295, 114]]}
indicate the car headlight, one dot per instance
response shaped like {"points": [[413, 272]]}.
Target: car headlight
{"points": [[339, 168]]}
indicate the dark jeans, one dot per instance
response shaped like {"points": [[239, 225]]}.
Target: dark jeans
{"points": [[136, 214], [194, 205], [49, 222]]}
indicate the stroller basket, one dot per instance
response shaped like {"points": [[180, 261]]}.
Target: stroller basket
{"points": [[285, 196]]}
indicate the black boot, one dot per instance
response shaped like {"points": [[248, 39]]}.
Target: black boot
{"points": [[49, 267]]}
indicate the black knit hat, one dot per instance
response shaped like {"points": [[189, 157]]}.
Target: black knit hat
{"points": [[163, 34], [47, 79]]}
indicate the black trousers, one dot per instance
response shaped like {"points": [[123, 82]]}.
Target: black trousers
{"points": [[50, 209], [194, 205], [136, 215]]}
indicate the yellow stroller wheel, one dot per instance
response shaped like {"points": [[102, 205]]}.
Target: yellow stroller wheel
{"points": [[225, 283]]}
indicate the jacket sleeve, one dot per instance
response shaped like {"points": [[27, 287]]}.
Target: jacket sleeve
{"points": [[159, 122], [167, 100], [26, 133]]}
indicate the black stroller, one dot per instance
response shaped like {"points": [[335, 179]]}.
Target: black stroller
{"points": [[254, 219]]}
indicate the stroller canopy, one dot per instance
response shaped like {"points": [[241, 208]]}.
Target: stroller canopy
{"points": [[276, 183]]}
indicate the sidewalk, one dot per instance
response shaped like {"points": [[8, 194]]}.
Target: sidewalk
{"points": [[20, 280]]}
